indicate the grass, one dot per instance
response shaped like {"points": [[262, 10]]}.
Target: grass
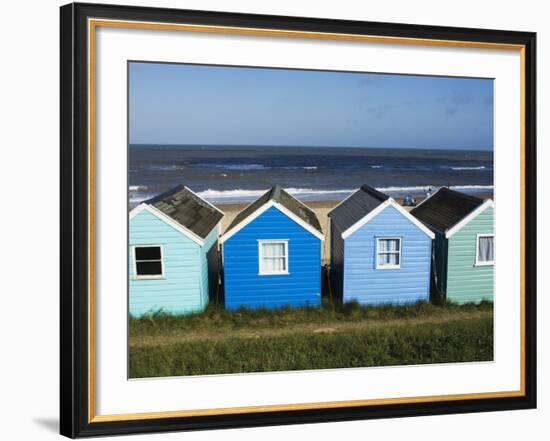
{"points": [[218, 341]]}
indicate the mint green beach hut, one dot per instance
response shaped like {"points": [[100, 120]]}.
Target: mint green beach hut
{"points": [[173, 253], [463, 253]]}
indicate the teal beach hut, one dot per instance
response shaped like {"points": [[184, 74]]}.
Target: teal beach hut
{"points": [[464, 250], [380, 254], [173, 253]]}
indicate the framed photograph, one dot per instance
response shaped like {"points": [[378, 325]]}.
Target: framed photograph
{"points": [[274, 220]]}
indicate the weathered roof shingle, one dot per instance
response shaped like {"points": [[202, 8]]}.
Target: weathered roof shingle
{"points": [[445, 208], [280, 196], [356, 207], [187, 209]]}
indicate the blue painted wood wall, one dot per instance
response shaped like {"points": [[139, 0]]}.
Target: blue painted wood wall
{"points": [[243, 286], [183, 289], [365, 284]]}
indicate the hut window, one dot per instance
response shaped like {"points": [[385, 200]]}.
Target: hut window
{"points": [[148, 261], [485, 249], [273, 257], [388, 252]]}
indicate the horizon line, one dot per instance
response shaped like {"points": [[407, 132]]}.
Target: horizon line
{"points": [[483, 149]]}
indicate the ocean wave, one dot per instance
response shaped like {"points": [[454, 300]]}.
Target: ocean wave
{"points": [[254, 167], [302, 167], [424, 188], [241, 194], [161, 168], [481, 167], [313, 194], [237, 167], [375, 166]]}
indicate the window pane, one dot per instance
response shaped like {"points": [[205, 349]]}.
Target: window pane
{"points": [[273, 249], [274, 265], [149, 268], [393, 244], [485, 251], [388, 245], [394, 259], [388, 259], [147, 253]]}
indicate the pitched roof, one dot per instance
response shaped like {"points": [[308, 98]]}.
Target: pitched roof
{"points": [[188, 210], [356, 207], [280, 196], [446, 208]]}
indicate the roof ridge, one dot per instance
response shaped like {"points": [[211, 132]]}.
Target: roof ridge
{"points": [[201, 200], [275, 192], [374, 192], [461, 194]]}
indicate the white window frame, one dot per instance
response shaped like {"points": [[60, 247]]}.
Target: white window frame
{"points": [[388, 266], [488, 262], [149, 277], [261, 270]]}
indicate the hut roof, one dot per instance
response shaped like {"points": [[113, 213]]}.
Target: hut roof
{"points": [[355, 207], [446, 208], [280, 196], [188, 210]]}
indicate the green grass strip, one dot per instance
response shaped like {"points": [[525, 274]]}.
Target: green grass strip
{"points": [[453, 341]]}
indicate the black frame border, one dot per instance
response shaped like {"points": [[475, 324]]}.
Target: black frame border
{"points": [[74, 219]]}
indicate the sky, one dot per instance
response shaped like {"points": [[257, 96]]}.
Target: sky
{"points": [[217, 105]]}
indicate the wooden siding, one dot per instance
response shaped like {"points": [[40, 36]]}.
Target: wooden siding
{"points": [[467, 282], [179, 291], [336, 261], [366, 284], [243, 286]]}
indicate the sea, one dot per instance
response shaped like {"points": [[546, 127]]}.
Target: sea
{"points": [[239, 174]]}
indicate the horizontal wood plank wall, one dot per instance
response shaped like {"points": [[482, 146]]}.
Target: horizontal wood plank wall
{"points": [[366, 284], [243, 284], [179, 291], [467, 282]]}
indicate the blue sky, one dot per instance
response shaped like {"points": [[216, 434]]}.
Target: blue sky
{"points": [[190, 104]]}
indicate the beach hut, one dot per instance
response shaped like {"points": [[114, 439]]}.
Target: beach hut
{"points": [[271, 254], [463, 246], [380, 254], [173, 254]]}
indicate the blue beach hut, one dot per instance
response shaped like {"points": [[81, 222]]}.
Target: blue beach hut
{"points": [[173, 255], [271, 254], [380, 254]]}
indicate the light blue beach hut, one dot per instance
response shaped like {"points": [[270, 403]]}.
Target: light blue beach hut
{"points": [[173, 254], [380, 254], [272, 254]]}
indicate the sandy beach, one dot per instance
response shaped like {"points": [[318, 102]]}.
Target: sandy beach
{"points": [[321, 208]]}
